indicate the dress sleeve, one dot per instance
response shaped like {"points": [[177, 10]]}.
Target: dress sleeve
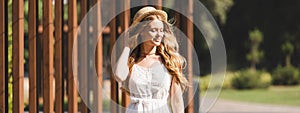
{"points": [[176, 97], [122, 70]]}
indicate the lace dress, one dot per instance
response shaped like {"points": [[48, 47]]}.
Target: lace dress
{"points": [[149, 89]]}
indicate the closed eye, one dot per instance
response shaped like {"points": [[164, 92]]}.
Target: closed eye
{"points": [[153, 30], [161, 30]]}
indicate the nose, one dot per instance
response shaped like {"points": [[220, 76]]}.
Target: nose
{"points": [[160, 34]]}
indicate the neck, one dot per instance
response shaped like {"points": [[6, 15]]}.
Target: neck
{"points": [[148, 50]]}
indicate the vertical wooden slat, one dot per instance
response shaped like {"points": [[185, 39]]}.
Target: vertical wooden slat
{"points": [[72, 47], [58, 57], [158, 3], [99, 55], [98, 27], [187, 28], [189, 31], [125, 20], [84, 56], [190, 56], [114, 85], [32, 56], [48, 56], [177, 16], [144, 2], [18, 55], [2, 57]]}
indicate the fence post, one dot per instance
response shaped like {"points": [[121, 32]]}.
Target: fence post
{"points": [[83, 58], [157, 3], [72, 47], [125, 20], [18, 55], [114, 85], [48, 56], [177, 18], [59, 96], [32, 56], [2, 57], [99, 55], [189, 31]]}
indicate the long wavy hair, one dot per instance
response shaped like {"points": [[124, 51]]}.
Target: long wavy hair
{"points": [[168, 50]]}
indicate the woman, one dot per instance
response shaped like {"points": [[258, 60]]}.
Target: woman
{"points": [[153, 70]]}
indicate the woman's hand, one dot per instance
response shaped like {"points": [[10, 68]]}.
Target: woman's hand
{"points": [[126, 39]]}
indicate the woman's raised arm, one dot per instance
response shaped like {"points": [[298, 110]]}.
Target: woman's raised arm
{"points": [[122, 70]]}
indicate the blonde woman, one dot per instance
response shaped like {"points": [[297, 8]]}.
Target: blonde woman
{"points": [[151, 66]]}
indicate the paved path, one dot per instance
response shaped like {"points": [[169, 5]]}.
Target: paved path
{"points": [[226, 106]]}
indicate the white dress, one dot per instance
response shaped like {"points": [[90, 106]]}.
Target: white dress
{"points": [[149, 89]]}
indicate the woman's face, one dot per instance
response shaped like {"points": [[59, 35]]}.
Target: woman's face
{"points": [[153, 34]]}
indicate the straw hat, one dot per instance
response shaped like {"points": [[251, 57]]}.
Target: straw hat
{"points": [[146, 11]]}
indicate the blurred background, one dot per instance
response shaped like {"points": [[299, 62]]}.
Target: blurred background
{"points": [[262, 39]]}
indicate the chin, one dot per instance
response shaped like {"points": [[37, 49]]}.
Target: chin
{"points": [[156, 43]]}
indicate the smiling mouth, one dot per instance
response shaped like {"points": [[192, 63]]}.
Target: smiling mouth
{"points": [[156, 39]]}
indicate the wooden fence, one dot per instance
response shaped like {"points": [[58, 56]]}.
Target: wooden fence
{"points": [[50, 48]]}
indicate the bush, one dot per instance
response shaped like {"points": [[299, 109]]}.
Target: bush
{"points": [[250, 79], [228, 80], [265, 80], [205, 80], [288, 75]]}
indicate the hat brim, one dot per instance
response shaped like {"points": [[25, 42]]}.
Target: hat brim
{"points": [[155, 12]]}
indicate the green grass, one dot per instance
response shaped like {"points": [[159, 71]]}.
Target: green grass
{"points": [[279, 95]]}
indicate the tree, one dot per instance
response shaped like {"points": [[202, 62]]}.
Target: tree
{"points": [[288, 49], [219, 8], [255, 55]]}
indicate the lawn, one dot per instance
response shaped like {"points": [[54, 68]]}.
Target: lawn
{"points": [[278, 95]]}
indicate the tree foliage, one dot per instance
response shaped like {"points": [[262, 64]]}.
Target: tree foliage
{"points": [[219, 8], [255, 55], [276, 19], [288, 49]]}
